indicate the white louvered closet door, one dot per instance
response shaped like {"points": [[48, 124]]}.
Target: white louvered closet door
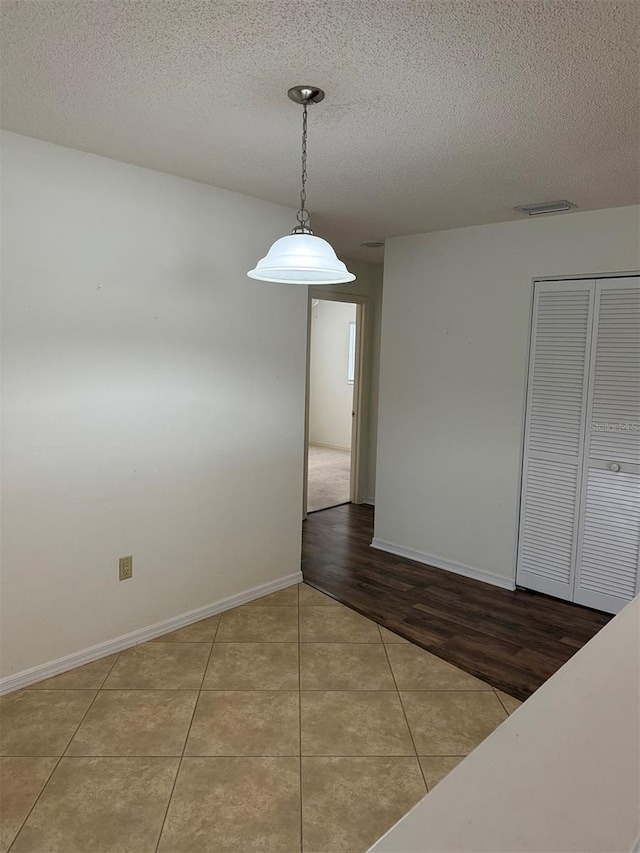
{"points": [[554, 436], [609, 526]]}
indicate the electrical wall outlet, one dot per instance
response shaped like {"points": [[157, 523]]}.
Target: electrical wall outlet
{"points": [[125, 568]]}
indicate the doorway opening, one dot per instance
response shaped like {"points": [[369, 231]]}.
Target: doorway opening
{"points": [[333, 400]]}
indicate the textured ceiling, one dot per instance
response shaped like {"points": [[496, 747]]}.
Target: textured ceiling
{"points": [[437, 115]]}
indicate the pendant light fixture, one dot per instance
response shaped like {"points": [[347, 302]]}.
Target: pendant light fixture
{"points": [[301, 257]]}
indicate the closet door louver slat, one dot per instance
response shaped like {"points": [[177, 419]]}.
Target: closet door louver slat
{"points": [[554, 436]]}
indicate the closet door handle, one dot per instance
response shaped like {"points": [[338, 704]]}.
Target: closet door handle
{"points": [[614, 466]]}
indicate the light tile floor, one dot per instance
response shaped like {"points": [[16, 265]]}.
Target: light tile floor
{"points": [[289, 724]]}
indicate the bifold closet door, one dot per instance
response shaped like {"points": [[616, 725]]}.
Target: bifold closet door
{"points": [[554, 436], [608, 556]]}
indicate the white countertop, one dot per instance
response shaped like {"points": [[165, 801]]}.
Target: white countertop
{"points": [[561, 774]]}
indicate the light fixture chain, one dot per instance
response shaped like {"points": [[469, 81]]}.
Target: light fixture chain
{"points": [[303, 213]]}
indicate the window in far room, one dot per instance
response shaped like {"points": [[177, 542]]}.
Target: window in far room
{"points": [[351, 368]]}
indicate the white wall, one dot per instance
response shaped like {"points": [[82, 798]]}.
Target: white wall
{"points": [[153, 399], [368, 283], [455, 334], [330, 394]]}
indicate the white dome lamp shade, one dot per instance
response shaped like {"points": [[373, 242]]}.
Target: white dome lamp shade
{"points": [[301, 257]]}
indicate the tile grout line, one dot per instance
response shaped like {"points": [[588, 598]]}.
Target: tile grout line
{"points": [[60, 757], [248, 755], [53, 769], [262, 689], [495, 693], [404, 713], [186, 740]]}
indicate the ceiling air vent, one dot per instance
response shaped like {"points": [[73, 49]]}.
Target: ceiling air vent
{"points": [[546, 207]]}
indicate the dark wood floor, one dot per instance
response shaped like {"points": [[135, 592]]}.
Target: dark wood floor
{"points": [[514, 640]]}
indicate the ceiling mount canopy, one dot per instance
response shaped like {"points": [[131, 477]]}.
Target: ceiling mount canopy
{"points": [[306, 95], [301, 257]]}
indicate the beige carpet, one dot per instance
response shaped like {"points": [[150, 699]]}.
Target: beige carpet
{"points": [[329, 477]]}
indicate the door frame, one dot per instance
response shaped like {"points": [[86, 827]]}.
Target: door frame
{"points": [[358, 420]]}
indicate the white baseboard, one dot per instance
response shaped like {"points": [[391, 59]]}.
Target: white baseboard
{"points": [[439, 563], [370, 501], [141, 635]]}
